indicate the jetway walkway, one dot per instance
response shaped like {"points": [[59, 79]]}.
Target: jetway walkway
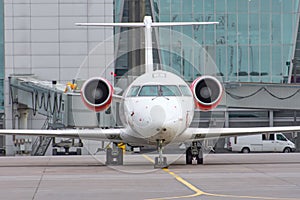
{"points": [[59, 103], [263, 96]]}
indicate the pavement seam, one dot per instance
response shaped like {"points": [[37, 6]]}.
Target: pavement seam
{"points": [[40, 181]]}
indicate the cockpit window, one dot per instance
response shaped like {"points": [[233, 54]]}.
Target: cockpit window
{"points": [[169, 90], [149, 90], [133, 91], [185, 90], [159, 90]]}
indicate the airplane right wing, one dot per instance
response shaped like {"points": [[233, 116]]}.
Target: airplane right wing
{"points": [[194, 134]]}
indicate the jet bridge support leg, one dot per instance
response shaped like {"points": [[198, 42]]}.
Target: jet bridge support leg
{"points": [[114, 156], [194, 154], [23, 118]]}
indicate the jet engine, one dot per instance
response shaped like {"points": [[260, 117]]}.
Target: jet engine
{"points": [[207, 91], [97, 93]]}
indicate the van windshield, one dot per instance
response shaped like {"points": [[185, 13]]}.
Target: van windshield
{"points": [[280, 137]]}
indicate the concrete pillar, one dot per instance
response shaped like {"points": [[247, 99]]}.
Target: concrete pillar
{"points": [[23, 118], [226, 119], [271, 118]]}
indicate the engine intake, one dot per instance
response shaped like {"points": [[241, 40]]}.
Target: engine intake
{"points": [[207, 91], [97, 93]]}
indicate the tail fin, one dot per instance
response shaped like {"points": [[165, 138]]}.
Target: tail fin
{"points": [[147, 24]]}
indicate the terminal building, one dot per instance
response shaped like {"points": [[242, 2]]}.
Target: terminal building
{"points": [[254, 49]]}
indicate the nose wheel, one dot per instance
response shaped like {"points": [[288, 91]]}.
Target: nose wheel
{"points": [[194, 154], [160, 161]]}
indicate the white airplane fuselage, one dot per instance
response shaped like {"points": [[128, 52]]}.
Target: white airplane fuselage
{"points": [[158, 106]]}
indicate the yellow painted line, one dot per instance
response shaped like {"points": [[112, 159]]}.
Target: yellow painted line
{"points": [[181, 180], [148, 158], [199, 192], [184, 182]]}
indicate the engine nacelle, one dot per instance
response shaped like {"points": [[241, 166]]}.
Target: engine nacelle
{"points": [[207, 91], [97, 93]]}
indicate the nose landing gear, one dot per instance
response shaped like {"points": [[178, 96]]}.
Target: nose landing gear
{"points": [[194, 154], [160, 161]]}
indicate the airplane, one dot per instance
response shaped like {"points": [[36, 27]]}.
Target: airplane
{"points": [[157, 107]]}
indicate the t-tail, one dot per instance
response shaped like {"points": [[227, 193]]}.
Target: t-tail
{"points": [[147, 24]]}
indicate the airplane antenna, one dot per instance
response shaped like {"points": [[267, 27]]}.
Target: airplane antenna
{"points": [[147, 24]]}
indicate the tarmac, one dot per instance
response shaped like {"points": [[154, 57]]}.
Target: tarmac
{"points": [[223, 176]]}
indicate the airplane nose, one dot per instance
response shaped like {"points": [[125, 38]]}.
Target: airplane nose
{"points": [[158, 116]]}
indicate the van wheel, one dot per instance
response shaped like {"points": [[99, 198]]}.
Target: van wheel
{"points": [[287, 150], [245, 150]]}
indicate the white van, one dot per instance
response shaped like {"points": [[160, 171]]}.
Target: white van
{"points": [[272, 142]]}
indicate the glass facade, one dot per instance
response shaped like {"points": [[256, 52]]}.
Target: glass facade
{"points": [[253, 42], [1, 55]]}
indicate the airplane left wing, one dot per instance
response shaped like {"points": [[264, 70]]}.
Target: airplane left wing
{"points": [[112, 135], [118, 98], [194, 134]]}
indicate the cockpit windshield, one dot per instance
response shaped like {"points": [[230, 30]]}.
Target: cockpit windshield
{"points": [[133, 91], [185, 90], [169, 90], [149, 90], [159, 90]]}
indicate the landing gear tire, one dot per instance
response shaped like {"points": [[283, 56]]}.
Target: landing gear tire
{"points": [[188, 156], [160, 164], [78, 151], [114, 156], [194, 155]]}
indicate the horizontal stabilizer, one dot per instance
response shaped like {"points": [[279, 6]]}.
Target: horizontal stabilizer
{"points": [[112, 24], [140, 24], [182, 23]]}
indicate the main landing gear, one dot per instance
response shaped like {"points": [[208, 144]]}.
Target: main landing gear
{"points": [[114, 156], [194, 154], [160, 161]]}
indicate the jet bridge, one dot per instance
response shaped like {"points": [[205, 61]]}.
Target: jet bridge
{"points": [[61, 105]]}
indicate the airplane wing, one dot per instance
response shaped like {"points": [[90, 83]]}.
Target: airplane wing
{"points": [[112, 135], [118, 98], [193, 134]]}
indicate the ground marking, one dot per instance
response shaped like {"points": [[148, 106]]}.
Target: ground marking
{"points": [[199, 192]]}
